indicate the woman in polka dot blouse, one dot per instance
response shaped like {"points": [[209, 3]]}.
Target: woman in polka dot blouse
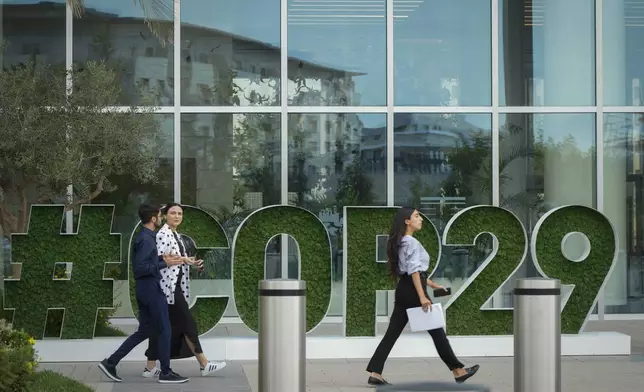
{"points": [[175, 283]]}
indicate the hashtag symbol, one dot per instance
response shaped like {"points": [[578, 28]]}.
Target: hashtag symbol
{"points": [[80, 287]]}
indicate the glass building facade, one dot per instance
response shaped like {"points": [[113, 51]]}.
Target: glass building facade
{"points": [[442, 104]]}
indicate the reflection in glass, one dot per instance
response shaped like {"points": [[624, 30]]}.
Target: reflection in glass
{"points": [[545, 161], [336, 160], [623, 49], [230, 162], [116, 33], [442, 53], [230, 166], [547, 53], [128, 193], [624, 206], [230, 53], [337, 53], [32, 34], [442, 164]]}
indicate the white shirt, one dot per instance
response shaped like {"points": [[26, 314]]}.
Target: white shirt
{"points": [[412, 256]]}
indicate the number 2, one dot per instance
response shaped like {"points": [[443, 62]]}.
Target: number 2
{"points": [[464, 313]]}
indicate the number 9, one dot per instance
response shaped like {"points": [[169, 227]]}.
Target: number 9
{"points": [[588, 273]]}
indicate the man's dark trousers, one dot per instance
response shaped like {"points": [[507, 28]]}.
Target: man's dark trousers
{"points": [[153, 319]]}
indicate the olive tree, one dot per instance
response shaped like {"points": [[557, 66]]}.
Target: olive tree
{"points": [[53, 139]]}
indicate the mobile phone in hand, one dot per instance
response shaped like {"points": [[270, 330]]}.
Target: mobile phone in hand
{"points": [[443, 292]]}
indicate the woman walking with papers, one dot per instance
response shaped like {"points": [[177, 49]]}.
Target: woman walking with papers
{"points": [[408, 263]]}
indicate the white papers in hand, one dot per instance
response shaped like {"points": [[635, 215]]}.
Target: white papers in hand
{"points": [[426, 321]]}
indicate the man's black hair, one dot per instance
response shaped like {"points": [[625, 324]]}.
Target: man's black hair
{"points": [[148, 211]]}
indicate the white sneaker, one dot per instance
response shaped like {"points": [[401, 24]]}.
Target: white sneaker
{"points": [[154, 372], [212, 367]]}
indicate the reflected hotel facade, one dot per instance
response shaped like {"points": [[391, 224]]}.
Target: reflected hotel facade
{"points": [[528, 105]]}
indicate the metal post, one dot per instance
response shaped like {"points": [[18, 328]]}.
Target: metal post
{"points": [[282, 335], [537, 335]]}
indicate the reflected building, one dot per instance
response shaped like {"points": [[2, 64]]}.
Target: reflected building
{"points": [[529, 139], [217, 69]]}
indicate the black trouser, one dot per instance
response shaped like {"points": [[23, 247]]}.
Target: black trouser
{"points": [[407, 297], [153, 320]]}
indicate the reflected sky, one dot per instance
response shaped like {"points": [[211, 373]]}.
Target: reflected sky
{"points": [[351, 35], [257, 19], [442, 46]]}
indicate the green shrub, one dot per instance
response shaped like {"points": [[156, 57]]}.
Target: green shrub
{"points": [[17, 358], [48, 381]]}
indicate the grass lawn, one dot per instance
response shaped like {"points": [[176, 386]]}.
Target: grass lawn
{"points": [[48, 381]]}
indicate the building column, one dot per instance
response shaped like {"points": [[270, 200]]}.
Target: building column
{"points": [[567, 52], [615, 156], [569, 81], [568, 75], [568, 171]]}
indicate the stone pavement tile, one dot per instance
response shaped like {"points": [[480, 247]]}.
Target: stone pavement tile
{"points": [[316, 378], [66, 369], [102, 387], [91, 372], [231, 378], [147, 387], [579, 374], [585, 374]]}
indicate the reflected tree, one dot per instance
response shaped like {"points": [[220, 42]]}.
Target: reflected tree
{"points": [[354, 187], [255, 158], [49, 140]]}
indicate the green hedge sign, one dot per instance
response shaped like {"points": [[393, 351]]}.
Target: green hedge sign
{"points": [[94, 249]]}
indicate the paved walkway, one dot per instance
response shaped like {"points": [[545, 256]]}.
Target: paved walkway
{"points": [[583, 374], [579, 374]]}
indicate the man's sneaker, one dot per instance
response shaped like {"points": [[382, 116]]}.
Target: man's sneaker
{"points": [[212, 367], [172, 378], [149, 373], [109, 371]]}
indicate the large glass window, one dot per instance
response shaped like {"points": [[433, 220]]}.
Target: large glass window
{"points": [[129, 191], [230, 154], [623, 47], [442, 164], [624, 206], [443, 53], [116, 33], [337, 160], [545, 161], [230, 166], [337, 53], [230, 162], [32, 36], [32, 33], [230, 54], [547, 53]]}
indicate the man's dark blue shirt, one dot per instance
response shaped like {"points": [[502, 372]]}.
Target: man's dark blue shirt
{"points": [[146, 262]]}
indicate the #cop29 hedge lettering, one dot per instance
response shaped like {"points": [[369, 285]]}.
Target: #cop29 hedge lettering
{"points": [[94, 249]]}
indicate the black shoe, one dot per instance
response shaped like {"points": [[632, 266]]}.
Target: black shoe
{"points": [[470, 372], [377, 381], [172, 378], [109, 371]]}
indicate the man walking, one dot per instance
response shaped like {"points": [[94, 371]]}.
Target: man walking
{"points": [[153, 308]]}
